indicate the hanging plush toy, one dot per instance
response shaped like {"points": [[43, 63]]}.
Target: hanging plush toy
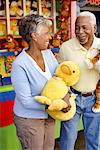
{"points": [[95, 63], [96, 107], [62, 34], [67, 74]]}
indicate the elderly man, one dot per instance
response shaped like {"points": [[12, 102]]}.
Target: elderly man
{"points": [[78, 49]]}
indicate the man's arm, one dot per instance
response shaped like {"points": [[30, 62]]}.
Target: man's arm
{"points": [[66, 99]]}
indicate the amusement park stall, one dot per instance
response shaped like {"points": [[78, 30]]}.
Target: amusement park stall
{"points": [[62, 14]]}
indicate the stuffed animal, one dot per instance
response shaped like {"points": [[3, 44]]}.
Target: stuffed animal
{"points": [[28, 7], [2, 28], [11, 44], [14, 30], [95, 63], [45, 11], [63, 25], [64, 10], [15, 10], [67, 74], [56, 41], [96, 107]]}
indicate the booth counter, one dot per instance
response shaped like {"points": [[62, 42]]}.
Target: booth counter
{"points": [[8, 138]]}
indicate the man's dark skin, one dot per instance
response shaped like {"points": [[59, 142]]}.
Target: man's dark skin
{"points": [[66, 99]]}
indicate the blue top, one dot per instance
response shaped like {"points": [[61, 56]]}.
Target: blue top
{"points": [[28, 81]]}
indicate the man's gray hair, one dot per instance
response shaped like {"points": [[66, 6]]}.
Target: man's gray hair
{"points": [[88, 14]]}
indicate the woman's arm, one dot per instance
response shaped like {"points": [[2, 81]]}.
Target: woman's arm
{"points": [[22, 89]]}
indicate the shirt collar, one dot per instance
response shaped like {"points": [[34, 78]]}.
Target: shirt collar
{"points": [[95, 45], [78, 46]]}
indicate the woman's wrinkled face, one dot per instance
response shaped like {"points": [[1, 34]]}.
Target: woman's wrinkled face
{"points": [[43, 36], [84, 29]]}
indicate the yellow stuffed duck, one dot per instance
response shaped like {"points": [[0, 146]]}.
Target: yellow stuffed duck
{"points": [[67, 73]]}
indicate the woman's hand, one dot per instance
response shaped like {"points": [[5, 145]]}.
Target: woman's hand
{"points": [[66, 99]]}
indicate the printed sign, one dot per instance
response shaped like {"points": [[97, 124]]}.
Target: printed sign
{"points": [[93, 2]]}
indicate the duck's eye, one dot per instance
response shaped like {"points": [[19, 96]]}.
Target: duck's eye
{"points": [[73, 71]]}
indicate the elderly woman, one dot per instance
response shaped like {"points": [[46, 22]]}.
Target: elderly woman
{"points": [[30, 71]]}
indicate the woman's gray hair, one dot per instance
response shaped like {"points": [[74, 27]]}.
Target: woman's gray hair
{"points": [[88, 14], [29, 24]]}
